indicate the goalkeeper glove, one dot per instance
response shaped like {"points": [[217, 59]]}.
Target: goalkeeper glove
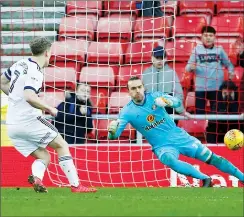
{"points": [[162, 102], [112, 128]]}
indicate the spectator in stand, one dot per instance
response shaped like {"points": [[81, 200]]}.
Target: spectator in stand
{"points": [[151, 9], [206, 61], [227, 103], [238, 51], [74, 115], [160, 77]]}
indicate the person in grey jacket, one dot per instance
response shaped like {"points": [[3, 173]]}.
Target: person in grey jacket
{"points": [[160, 77], [207, 61]]}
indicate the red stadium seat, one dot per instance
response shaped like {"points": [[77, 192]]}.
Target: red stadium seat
{"points": [[117, 100], [206, 7], [228, 26], [53, 98], [230, 7], [194, 127], [125, 72], [183, 50], [189, 26], [190, 102], [69, 53], [101, 80], [139, 52], [106, 53], [84, 7], [151, 28], [120, 7], [76, 27], [60, 78], [114, 29], [238, 73], [168, 7], [180, 70], [102, 132], [98, 76]]}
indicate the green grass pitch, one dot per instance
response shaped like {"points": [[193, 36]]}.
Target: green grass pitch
{"points": [[124, 202]]}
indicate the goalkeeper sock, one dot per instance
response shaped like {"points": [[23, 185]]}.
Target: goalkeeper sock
{"points": [[181, 167], [38, 168], [68, 167], [226, 166]]}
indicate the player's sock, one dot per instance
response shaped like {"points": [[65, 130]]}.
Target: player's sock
{"points": [[38, 168], [226, 166], [69, 169], [181, 167]]}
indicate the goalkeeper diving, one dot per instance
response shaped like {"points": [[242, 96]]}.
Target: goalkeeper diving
{"points": [[146, 113]]}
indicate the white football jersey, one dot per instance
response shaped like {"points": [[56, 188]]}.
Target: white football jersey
{"points": [[24, 74]]}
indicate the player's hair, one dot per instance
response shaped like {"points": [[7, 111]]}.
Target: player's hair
{"points": [[133, 78], [39, 45], [229, 85], [208, 29]]}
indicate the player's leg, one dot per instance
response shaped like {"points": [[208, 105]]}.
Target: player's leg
{"points": [[67, 165], [38, 168], [204, 154], [170, 157]]}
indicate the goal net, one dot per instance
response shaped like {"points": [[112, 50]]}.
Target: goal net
{"points": [[97, 47]]}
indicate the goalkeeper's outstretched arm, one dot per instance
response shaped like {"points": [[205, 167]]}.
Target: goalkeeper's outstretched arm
{"points": [[116, 127]]}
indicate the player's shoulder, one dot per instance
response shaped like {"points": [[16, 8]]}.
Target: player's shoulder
{"points": [[154, 94]]}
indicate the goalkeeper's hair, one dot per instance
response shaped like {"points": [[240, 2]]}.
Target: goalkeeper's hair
{"points": [[133, 78], [39, 45]]}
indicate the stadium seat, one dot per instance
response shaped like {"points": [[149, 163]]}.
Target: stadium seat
{"points": [[203, 7], [76, 27], [69, 53], [125, 72], [190, 102], [114, 29], [230, 7], [228, 26], [139, 52], [84, 7], [102, 132], [53, 98], [106, 53], [168, 7], [183, 50], [102, 81], [117, 100], [196, 128], [120, 7], [151, 28], [189, 26], [238, 73], [60, 78], [92, 136]]}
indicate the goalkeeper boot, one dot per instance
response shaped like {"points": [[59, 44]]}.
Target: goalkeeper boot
{"points": [[37, 184], [207, 183], [82, 189]]}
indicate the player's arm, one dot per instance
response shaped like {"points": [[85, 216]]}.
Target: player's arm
{"points": [[116, 127], [5, 82], [32, 85], [33, 99]]}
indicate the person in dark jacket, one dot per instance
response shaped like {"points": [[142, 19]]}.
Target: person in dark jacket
{"points": [[151, 9], [227, 103], [74, 119]]}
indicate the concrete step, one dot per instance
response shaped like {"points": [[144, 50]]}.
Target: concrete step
{"points": [[32, 12], [30, 24], [15, 49], [23, 37]]}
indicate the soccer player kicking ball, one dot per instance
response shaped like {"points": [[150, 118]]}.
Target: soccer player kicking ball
{"points": [[29, 131], [146, 113]]}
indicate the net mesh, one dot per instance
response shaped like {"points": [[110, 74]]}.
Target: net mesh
{"points": [[103, 44]]}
